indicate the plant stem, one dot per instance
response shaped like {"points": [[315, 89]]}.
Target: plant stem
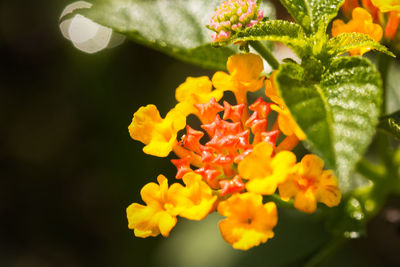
{"points": [[384, 147], [265, 53], [279, 202], [383, 67], [370, 170], [325, 252]]}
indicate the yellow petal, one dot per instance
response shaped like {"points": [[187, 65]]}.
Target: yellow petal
{"points": [[249, 222], [282, 164], [287, 124], [223, 82], [174, 121], [199, 197], [265, 186], [253, 85], [239, 204], [289, 189], [309, 184], [245, 67], [140, 125], [242, 237], [141, 219], [163, 205], [328, 191], [144, 233], [305, 201], [166, 223], [257, 164], [265, 173], [195, 91], [159, 135], [151, 194], [299, 132], [311, 166], [244, 70], [272, 92]]}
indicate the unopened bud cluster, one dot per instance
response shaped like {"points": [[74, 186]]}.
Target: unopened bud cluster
{"points": [[232, 16]]}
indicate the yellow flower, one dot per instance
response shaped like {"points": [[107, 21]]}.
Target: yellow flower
{"points": [[286, 123], [272, 92], [387, 5], [249, 222], [263, 171], [361, 22], [309, 183], [244, 71], [159, 135], [163, 204], [199, 198], [195, 91]]}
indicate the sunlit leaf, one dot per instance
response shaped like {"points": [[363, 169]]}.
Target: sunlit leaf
{"points": [[348, 41], [282, 31], [339, 114], [313, 15], [174, 27]]}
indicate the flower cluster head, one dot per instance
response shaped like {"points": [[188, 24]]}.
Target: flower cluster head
{"points": [[383, 13], [232, 16], [227, 164]]}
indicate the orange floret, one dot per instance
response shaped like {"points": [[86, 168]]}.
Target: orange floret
{"points": [[361, 22]]}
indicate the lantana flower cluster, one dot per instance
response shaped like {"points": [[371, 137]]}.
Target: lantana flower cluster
{"points": [[237, 156], [377, 18], [232, 16]]}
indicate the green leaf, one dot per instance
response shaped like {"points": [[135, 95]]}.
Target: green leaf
{"points": [[348, 41], [391, 124], [393, 87], [313, 15], [339, 114], [282, 31], [174, 27]]}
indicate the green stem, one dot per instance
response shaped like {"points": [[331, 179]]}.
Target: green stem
{"points": [[265, 53], [325, 252], [383, 67], [384, 148], [370, 170], [279, 202]]}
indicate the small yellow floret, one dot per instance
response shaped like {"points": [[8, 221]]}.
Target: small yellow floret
{"points": [[244, 75], [309, 184], [387, 5], [195, 91], [272, 92], [163, 204], [286, 122], [249, 222], [159, 135], [198, 197], [361, 22], [263, 171]]}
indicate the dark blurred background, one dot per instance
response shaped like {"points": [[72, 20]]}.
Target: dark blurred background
{"points": [[68, 168]]}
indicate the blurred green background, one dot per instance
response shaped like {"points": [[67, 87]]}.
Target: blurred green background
{"points": [[68, 168]]}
